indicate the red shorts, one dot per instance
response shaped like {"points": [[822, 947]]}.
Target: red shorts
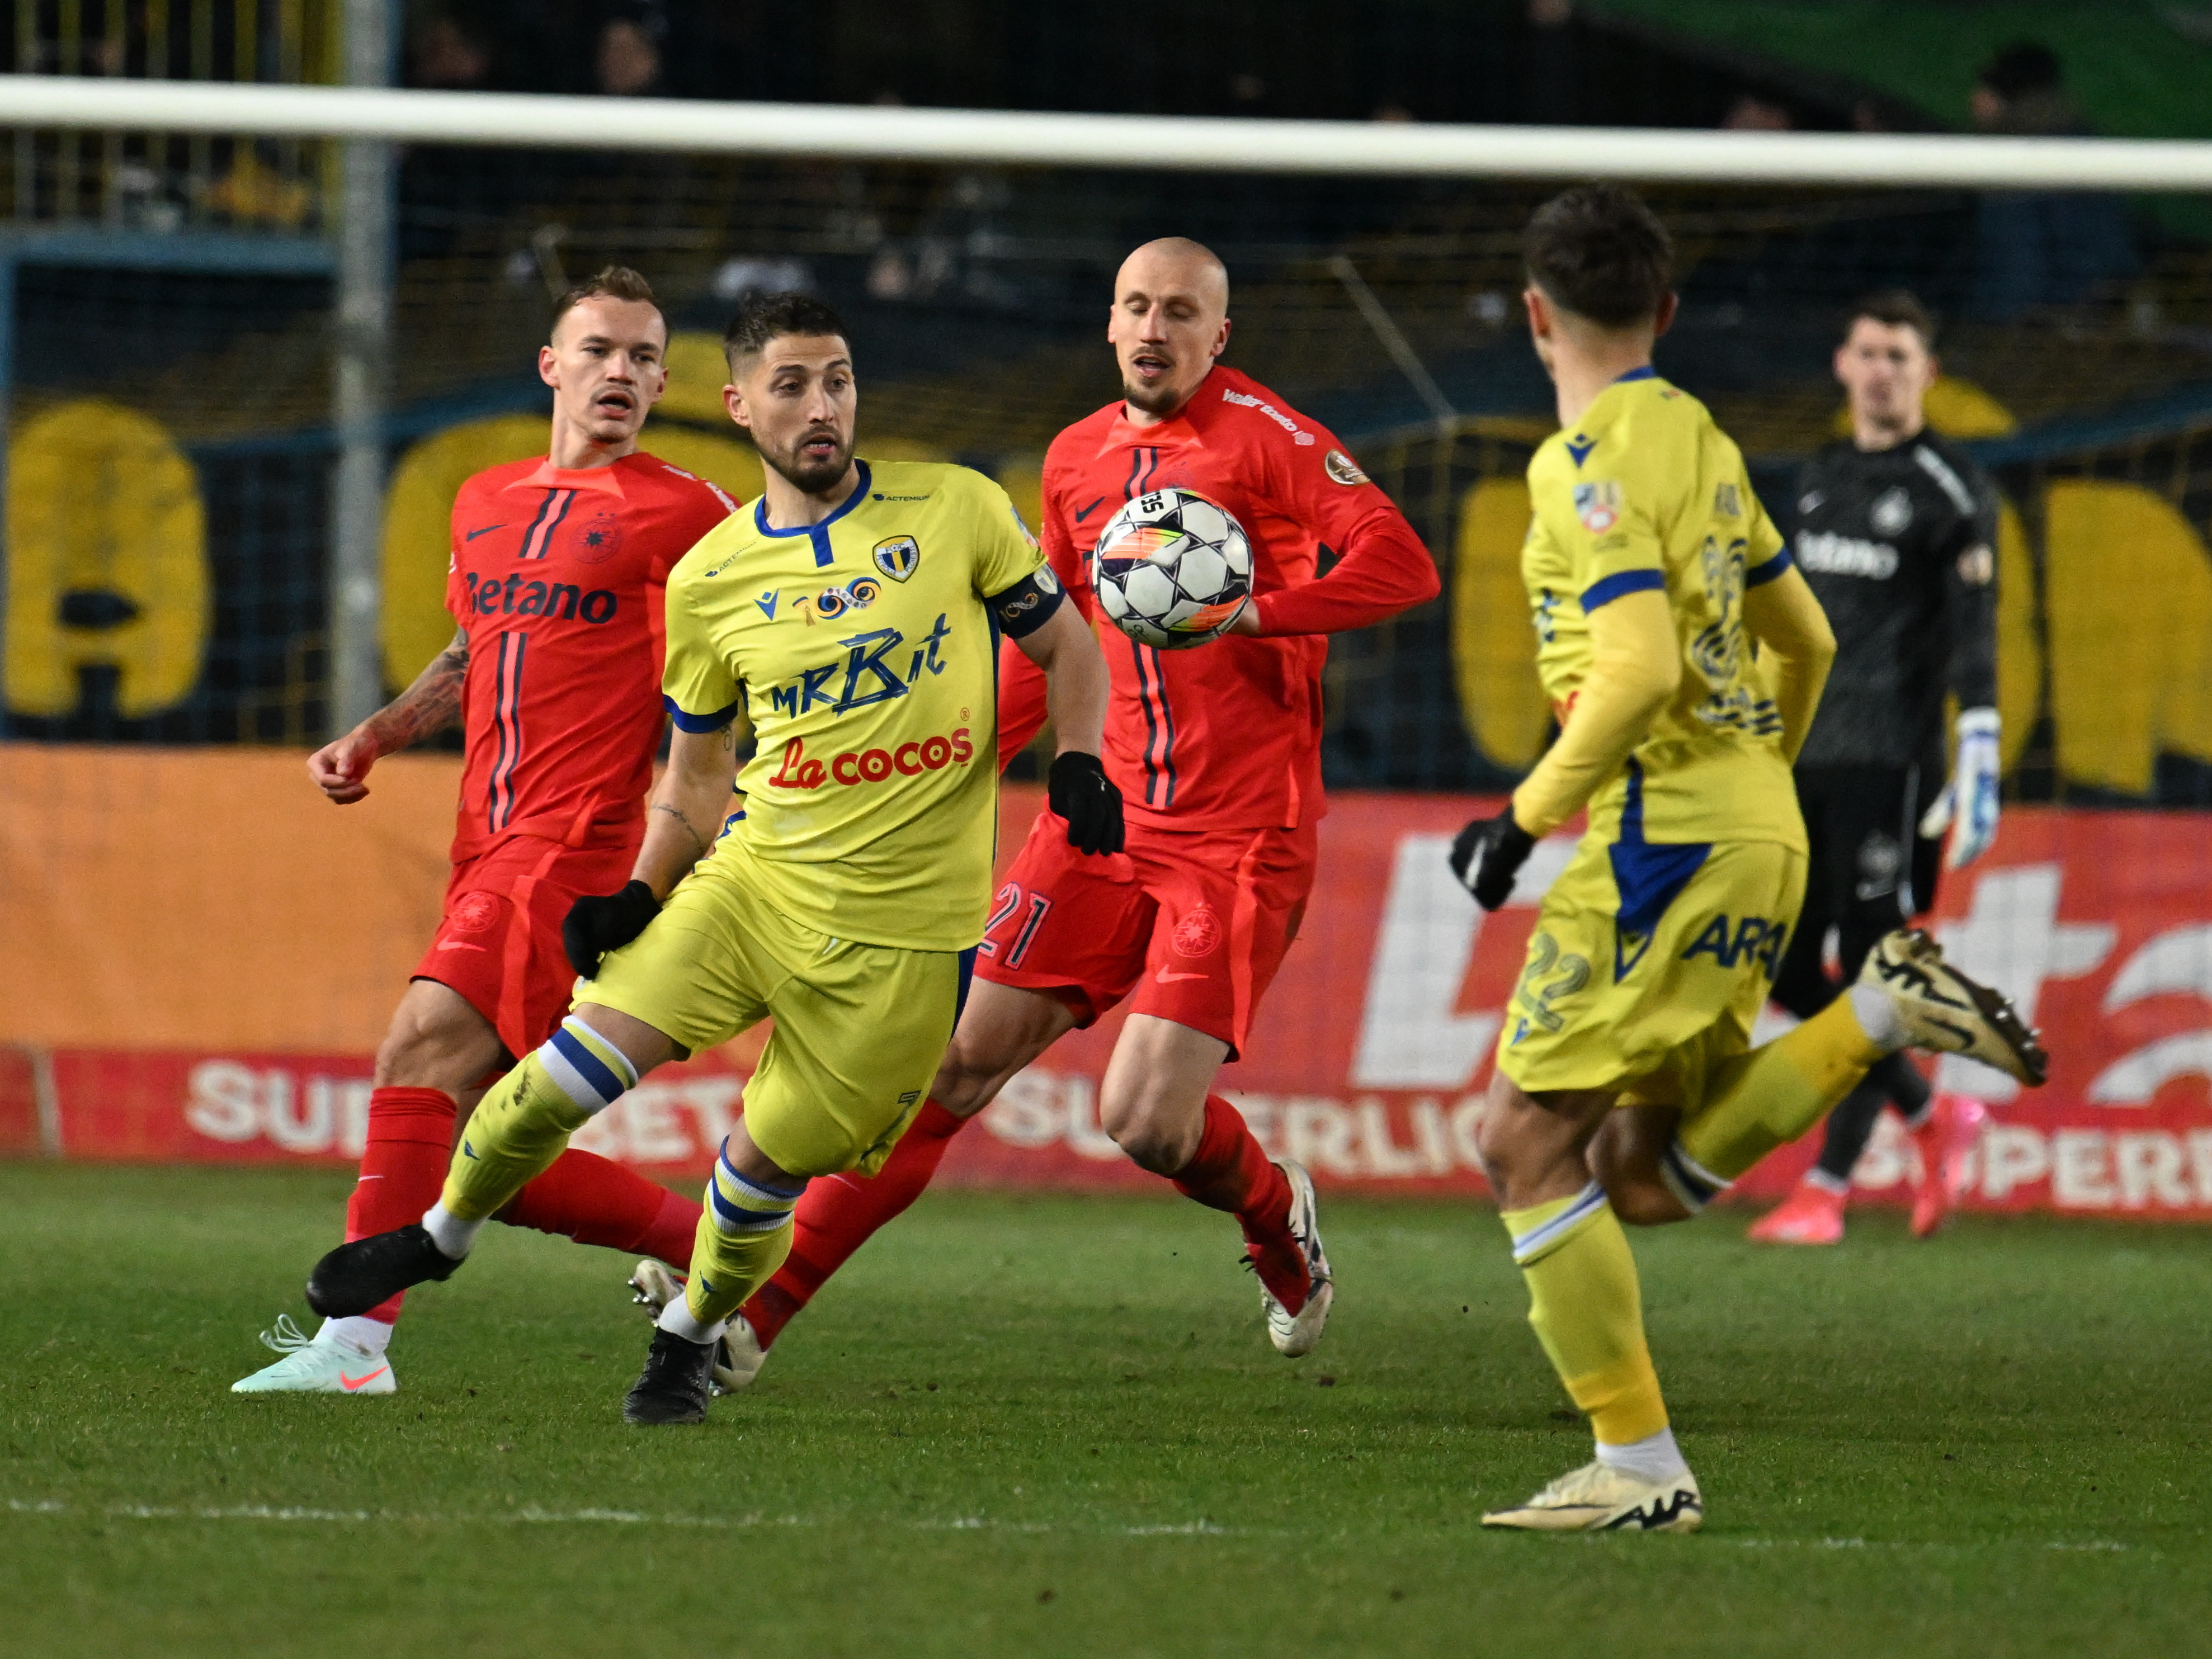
{"points": [[1195, 921], [499, 944]]}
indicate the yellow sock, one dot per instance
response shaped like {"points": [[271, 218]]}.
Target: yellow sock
{"points": [[1766, 1098], [743, 1238], [1588, 1311], [520, 1127]]}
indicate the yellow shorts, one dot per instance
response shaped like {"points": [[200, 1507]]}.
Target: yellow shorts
{"points": [[859, 1029], [1648, 965]]}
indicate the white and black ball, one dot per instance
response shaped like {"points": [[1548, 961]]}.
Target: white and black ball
{"points": [[1172, 569]]}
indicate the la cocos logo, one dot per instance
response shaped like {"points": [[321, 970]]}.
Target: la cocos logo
{"points": [[911, 759]]}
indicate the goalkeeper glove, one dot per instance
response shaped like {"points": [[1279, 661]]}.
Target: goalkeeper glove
{"points": [[597, 924], [1968, 806], [1079, 790], [1488, 854]]}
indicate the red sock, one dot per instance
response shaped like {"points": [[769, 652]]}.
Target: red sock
{"points": [[595, 1201], [840, 1214], [402, 1168], [1229, 1172]]}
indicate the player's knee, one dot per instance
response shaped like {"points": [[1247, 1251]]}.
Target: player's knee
{"points": [[1509, 1136], [416, 1056], [435, 1041], [1624, 1158], [1156, 1137], [966, 1079]]}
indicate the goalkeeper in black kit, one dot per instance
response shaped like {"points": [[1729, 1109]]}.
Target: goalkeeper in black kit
{"points": [[1896, 533]]}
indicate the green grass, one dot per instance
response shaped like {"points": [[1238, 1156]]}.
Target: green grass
{"points": [[1052, 1426]]}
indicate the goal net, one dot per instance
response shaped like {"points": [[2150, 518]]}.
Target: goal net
{"points": [[172, 331]]}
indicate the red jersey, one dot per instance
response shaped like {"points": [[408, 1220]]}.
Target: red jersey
{"points": [[558, 578], [1225, 735]]}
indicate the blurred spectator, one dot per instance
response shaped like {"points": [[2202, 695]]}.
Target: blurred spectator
{"points": [[626, 59], [450, 51], [2022, 91], [1753, 113], [1552, 87], [2037, 248]]}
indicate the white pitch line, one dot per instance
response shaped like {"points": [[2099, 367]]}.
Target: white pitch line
{"points": [[2095, 1546], [533, 1516]]}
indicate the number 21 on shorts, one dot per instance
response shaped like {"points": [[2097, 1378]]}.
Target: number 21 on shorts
{"points": [[1003, 908]]}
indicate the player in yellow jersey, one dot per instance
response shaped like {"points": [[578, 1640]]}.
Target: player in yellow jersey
{"points": [[851, 611], [1685, 657]]}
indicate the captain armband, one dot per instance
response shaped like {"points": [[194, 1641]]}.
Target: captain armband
{"points": [[1028, 604]]}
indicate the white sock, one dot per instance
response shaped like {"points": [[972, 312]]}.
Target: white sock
{"points": [[1817, 1177], [452, 1236], [678, 1321], [366, 1336], [1656, 1457], [1878, 1018]]}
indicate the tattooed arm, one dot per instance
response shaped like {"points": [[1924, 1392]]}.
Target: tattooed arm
{"points": [[688, 805], [340, 770]]}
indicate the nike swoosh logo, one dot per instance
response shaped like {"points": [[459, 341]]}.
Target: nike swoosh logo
{"points": [[1166, 978], [486, 531], [1083, 512], [349, 1383]]}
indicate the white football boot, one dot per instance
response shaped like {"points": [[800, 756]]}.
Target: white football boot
{"points": [[1598, 1497], [737, 1357], [1295, 1334], [321, 1364], [1944, 1011]]}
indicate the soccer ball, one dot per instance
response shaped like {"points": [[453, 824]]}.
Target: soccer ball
{"points": [[1172, 569]]}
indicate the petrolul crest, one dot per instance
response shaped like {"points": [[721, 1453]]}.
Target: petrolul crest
{"points": [[897, 557]]}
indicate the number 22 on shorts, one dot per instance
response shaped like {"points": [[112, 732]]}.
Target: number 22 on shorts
{"points": [[1539, 989]]}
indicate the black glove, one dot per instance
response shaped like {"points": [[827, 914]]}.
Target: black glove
{"points": [[1080, 791], [597, 924], [1487, 855]]}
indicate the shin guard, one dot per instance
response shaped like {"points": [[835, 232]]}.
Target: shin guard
{"points": [[743, 1238], [525, 1122], [1766, 1098], [1587, 1308]]}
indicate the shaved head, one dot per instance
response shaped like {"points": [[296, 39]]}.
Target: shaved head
{"points": [[1169, 321], [1177, 262]]}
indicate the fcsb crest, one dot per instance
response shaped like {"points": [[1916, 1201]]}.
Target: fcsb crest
{"points": [[897, 557]]}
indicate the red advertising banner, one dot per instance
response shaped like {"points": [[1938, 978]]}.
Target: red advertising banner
{"points": [[1369, 1059]]}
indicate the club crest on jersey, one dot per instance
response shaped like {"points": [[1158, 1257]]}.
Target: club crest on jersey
{"points": [[1891, 513], [1342, 468], [897, 557], [598, 539], [1598, 506]]}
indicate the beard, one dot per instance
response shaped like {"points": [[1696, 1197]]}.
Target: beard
{"points": [[811, 476], [1161, 399]]}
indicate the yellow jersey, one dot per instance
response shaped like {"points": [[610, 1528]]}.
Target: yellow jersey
{"points": [[1646, 492], [862, 652]]}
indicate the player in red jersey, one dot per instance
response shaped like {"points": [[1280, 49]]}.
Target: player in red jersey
{"points": [[1216, 752], [558, 569]]}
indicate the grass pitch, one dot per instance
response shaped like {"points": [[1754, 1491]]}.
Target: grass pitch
{"points": [[1054, 1427]]}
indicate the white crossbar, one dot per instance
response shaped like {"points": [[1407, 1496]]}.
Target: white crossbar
{"points": [[1185, 143]]}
